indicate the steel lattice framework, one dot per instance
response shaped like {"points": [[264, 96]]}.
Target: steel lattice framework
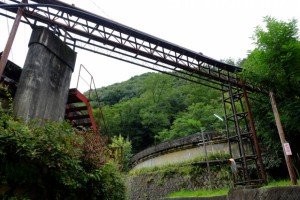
{"points": [[85, 30]]}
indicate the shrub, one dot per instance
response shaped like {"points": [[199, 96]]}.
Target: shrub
{"points": [[53, 161], [113, 187], [93, 149], [122, 151]]}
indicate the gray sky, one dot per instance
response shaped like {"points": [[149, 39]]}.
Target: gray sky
{"points": [[218, 28]]}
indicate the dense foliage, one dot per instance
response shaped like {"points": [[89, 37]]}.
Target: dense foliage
{"points": [[275, 65], [156, 107], [54, 162], [122, 150], [122, 91]]}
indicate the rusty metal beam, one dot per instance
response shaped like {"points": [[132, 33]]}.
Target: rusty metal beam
{"points": [[10, 39], [254, 136], [97, 34]]}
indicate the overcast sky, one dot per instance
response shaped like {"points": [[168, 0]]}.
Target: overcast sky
{"points": [[218, 28]]}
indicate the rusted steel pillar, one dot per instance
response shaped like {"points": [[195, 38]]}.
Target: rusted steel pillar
{"points": [[10, 39], [288, 158], [254, 136], [44, 84], [239, 134]]}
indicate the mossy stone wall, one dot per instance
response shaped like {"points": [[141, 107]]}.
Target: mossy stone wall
{"points": [[160, 183]]}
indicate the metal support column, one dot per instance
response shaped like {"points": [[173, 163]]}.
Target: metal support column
{"points": [[240, 136], [254, 137], [10, 39], [233, 98]]}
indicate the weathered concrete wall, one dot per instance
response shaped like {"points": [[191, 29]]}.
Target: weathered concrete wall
{"points": [[44, 84], [183, 155], [181, 143], [187, 148], [182, 149], [275, 193], [158, 185]]}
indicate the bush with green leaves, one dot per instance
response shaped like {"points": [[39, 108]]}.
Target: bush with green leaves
{"points": [[122, 151], [54, 161]]}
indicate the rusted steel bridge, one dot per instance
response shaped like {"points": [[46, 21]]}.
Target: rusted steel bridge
{"points": [[84, 30]]}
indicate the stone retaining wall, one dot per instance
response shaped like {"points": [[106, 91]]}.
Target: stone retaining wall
{"points": [[274, 193], [158, 185]]}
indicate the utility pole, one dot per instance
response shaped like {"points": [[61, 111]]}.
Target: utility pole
{"points": [[287, 156], [206, 158]]}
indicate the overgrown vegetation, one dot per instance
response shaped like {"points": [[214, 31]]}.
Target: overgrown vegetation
{"points": [[187, 167], [122, 151], [54, 162], [223, 191], [155, 107], [278, 183], [192, 174], [275, 65]]}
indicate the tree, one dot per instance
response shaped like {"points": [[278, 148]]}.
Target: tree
{"points": [[162, 102], [199, 116], [275, 62], [122, 149], [275, 65]]}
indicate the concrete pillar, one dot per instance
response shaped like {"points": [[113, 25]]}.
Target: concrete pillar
{"points": [[44, 84]]}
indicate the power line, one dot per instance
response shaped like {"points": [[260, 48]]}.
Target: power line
{"points": [[101, 10]]}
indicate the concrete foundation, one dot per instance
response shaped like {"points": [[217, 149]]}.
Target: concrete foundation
{"points": [[274, 193], [44, 84]]}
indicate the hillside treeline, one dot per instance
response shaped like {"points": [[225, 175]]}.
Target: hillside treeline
{"points": [[155, 107]]}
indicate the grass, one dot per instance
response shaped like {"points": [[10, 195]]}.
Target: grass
{"points": [[184, 164], [199, 193], [224, 191], [279, 183]]}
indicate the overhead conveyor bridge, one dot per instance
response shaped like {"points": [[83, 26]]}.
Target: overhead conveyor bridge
{"points": [[85, 30]]}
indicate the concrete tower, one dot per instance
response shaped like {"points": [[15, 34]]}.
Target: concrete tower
{"points": [[44, 84]]}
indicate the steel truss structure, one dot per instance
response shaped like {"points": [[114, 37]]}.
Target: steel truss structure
{"points": [[241, 136], [84, 30], [81, 29]]}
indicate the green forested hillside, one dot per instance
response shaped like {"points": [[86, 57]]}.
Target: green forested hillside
{"points": [[155, 107], [122, 91]]}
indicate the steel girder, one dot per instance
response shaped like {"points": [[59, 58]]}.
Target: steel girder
{"points": [[82, 29]]}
